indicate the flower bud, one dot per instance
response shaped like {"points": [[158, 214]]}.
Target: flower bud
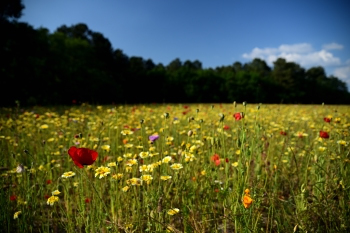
{"points": [[222, 117], [189, 133]]}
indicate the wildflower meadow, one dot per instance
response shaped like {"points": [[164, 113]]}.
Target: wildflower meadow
{"points": [[224, 168]]}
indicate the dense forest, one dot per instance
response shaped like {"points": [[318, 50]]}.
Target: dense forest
{"points": [[75, 64]]}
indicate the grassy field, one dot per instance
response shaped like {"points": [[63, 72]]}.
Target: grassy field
{"points": [[175, 168]]}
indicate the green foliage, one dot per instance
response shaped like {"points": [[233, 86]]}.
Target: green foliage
{"points": [[76, 63], [10, 9]]}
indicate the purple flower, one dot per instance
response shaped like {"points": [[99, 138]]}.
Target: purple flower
{"points": [[152, 138]]}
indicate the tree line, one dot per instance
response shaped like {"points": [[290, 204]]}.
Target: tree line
{"points": [[75, 64]]}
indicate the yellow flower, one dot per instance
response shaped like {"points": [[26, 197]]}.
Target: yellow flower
{"points": [[56, 153], [102, 171], [15, 216], [52, 200], [301, 134], [90, 167], [203, 173], [173, 211], [56, 192], [322, 148], [342, 142], [165, 177], [68, 174], [144, 154], [235, 164], [238, 152], [113, 164], [75, 184], [170, 229], [106, 148], [193, 148], [176, 166], [169, 139], [125, 189], [147, 178], [143, 168], [117, 176], [131, 162], [128, 145], [189, 157], [44, 126], [127, 155], [50, 140], [127, 132], [166, 159], [134, 181]]}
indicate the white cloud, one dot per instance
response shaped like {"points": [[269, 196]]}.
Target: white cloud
{"points": [[295, 48], [343, 73], [302, 54], [332, 46]]}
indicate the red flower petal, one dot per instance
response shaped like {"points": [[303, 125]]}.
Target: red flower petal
{"points": [[72, 151], [82, 156], [324, 134], [238, 115]]}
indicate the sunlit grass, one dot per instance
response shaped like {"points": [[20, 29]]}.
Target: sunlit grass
{"points": [[176, 168]]}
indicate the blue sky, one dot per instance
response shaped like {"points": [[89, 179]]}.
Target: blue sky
{"points": [[218, 32]]}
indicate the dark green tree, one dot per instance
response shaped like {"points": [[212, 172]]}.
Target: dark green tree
{"points": [[10, 9], [289, 76]]}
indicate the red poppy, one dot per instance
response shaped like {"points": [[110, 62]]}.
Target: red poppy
{"points": [[283, 133], [46, 196], [49, 182], [82, 156], [13, 198], [226, 127], [87, 200], [324, 134], [227, 160], [215, 157], [238, 115], [327, 119]]}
